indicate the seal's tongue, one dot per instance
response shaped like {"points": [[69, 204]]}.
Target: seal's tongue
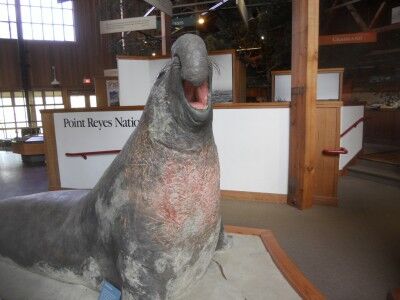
{"points": [[196, 95]]}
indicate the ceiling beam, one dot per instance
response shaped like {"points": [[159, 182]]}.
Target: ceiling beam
{"points": [[343, 4], [359, 20], [377, 14]]}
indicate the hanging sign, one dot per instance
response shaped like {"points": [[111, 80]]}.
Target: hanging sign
{"points": [[129, 24], [189, 21], [163, 5], [348, 38]]}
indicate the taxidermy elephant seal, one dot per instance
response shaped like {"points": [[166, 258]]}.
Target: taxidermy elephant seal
{"points": [[152, 223]]}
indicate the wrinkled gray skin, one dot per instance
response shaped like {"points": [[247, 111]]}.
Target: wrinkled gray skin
{"points": [[151, 224]]}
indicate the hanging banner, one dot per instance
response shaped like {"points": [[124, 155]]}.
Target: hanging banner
{"points": [[348, 38], [163, 5], [128, 24]]}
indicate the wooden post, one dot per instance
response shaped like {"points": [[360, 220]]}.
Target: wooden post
{"points": [[165, 33], [305, 23]]}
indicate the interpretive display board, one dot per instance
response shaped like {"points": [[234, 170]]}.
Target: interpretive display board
{"points": [[137, 75], [244, 139], [329, 84]]}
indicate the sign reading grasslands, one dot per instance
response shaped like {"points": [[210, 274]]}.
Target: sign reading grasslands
{"points": [[348, 38]]}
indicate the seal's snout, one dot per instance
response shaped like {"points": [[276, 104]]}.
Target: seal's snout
{"points": [[196, 96]]}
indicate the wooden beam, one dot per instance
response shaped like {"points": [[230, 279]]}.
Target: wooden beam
{"points": [[394, 26], [305, 24], [359, 20], [343, 4], [165, 34], [377, 14]]}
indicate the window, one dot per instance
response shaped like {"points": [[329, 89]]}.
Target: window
{"points": [[44, 20], [46, 100], [77, 101], [13, 114], [8, 21], [93, 101]]}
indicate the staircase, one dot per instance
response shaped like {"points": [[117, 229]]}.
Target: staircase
{"points": [[383, 167]]}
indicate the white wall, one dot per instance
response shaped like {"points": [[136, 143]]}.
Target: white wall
{"points": [[136, 77], [353, 140], [253, 147], [75, 172], [134, 83], [328, 87]]}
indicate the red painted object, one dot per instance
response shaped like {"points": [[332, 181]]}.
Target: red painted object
{"points": [[339, 151], [84, 155], [355, 124]]}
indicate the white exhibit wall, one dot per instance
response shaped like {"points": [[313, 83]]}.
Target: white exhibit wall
{"points": [[75, 172], [253, 146], [328, 87], [134, 82], [136, 78], [353, 140]]}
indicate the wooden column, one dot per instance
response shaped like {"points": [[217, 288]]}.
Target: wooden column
{"points": [[305, 23], [165, 33]]}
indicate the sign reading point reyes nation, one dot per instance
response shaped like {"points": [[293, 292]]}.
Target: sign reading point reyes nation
{"points": [[128, 24], [348, 38]]}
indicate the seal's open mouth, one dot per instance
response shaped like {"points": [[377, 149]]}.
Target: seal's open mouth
{"points": [[196, 96]]}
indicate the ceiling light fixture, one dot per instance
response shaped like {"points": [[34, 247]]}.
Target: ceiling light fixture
{"points": [[201, 21], [214, 7], [149, 11], [153, 54]]}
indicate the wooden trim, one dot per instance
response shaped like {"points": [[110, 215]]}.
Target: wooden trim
{"points": [[329, 103], [231, 105], [289, 270], [325, 70], [325, 200], [50, 150], [253, 196]]}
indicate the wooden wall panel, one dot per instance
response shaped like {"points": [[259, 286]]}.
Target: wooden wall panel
{"points": [[10, 77], [327, 167], [73, 60], [382, 127]]}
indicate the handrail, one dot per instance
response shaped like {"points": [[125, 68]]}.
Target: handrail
{"points": [[355, 124], [84, 155], [341, 150]]}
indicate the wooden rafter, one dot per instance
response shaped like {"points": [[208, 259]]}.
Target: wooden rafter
{"points": [[356, 16], [377, 14], [342, 4]]}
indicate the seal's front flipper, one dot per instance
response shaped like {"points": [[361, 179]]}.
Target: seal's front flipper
{"points": [[224, 241]]}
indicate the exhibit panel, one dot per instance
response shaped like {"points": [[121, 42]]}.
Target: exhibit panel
{"points": [[329, 85], [252, 140], [137, 74], [252, 144], [352, 140]]}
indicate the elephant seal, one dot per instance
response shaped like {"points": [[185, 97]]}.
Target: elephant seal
{"points": [[152, 222]]}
